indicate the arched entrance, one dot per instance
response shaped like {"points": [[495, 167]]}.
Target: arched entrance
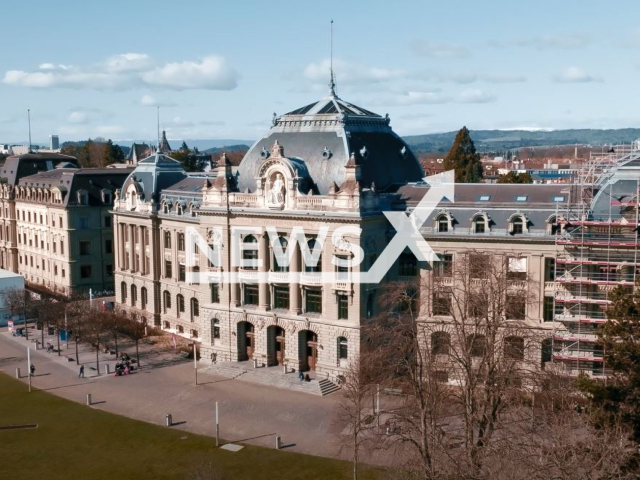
{"points": [[276, 345], [307, 350], [246, 341]]}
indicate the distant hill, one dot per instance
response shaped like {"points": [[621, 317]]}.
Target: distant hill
{"points": [[496, 140], [229, 148], [200, 144]]}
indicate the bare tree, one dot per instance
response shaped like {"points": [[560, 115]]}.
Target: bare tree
{"points": [[94, 327], [19, 302], [76, 310], [136, 330]]}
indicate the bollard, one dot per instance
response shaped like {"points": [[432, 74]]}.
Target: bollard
{"points": [[278, 442], [17, 373], [89, 399], [255, 363], [106, 369], [284, 368], [169, 419]]}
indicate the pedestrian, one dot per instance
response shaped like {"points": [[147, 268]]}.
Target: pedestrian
{"points": [[81, 374], [32, 369], [301, 376]]}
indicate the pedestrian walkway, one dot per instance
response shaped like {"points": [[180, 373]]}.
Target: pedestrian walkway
{"points": [[272, 376]]}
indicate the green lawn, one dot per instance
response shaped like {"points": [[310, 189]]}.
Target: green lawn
{"points": [[74, 441]]}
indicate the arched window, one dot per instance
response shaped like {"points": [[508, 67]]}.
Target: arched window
{"points": [[479, 224], [250, 253], [553, 228], [343, 350], [517, 226], [514, 348], [477, 345], [277, 267], [313, 245], [123, 292], [195, 308], [443, 223], [440, 343], [166, 300], [134, 295], [180, 301], [143, 298]]}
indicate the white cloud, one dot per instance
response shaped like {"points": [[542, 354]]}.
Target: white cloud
{"points": [[575, 75], [212, 73], [148, 101], [78, 117], [547, 42], [475, 96], [130, 70], [432, 49], [348, 73], [110, 129], [420, 98]]}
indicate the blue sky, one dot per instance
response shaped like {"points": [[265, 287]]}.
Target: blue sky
{"points": [[220, 69]]}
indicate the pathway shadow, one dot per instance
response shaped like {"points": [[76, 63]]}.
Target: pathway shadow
{"points": [[65, 386], [287, 446], [251, 438], [98, 403], [173, 424]]}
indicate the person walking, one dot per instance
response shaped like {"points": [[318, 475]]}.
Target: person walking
{"points": [[81, 374], [32, 369]]}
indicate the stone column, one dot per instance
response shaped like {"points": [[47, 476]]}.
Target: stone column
{"points": [[132, 248], [143, 268], [263, 286], [294, 287], [121, 227]]}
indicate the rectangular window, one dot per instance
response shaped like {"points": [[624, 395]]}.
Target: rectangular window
{"points": [[85, 247], [547, 309], [441, 304], [478, 265], [168, 269], [215, 293], [558, 198], [62, 247], [313, 303], [407, 265], [484, 198], [250, 294], [281, 296], [549, 269], [107, 221], [182, 275], [343, 306], [515, 308], [55, 270], [516, 268], [181, 242], [63, 273], [167, 239], [108, 246], [109, 268], [444, 268], [342, 271], [85, 271], [521, 198]]}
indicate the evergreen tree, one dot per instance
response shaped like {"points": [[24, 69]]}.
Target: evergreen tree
{"points": [[513, 177], [464, 159], [184, 147], [114, 153], [619, 398]]}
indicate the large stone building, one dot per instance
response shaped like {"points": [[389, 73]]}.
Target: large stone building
{"points": [[329, 164], [56, 223]]}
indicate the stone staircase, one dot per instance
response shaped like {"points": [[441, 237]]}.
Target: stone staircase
{"points": [[270, 376]]}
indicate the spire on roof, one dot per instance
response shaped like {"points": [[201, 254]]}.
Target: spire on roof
{"points": [[332, 80], [164, 146]]}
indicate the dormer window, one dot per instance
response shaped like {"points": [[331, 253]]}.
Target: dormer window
{"points": [[107, 197], [83, 197], [443, 223], [479, 224], [517, 225]]}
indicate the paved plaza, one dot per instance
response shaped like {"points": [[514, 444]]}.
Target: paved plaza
{"points": [[249, 413]]}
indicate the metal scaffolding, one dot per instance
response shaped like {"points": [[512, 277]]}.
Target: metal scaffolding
{"points": [[597, 251]]}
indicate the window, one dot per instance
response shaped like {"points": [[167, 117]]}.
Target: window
{"points": [[313, 301], [553, 227], [479, 265], [515, 308], [514, 348], [484, 198], [107, 221], [314, 245], [182, 273], [281, 296], [166, 300], [167, 239], [443, 268], [180, 329], [478, 305], [195, 309], [370, 305], [407, 265], [123, 291], [63, 273], [250, 253], [477, 345], [558, 198], [440, 343], [108, 246], [342, 269], [443, 224], [549, 269], [343, 349], [521, 198], [180, 301], [517, 226], [343, 306], [85, 271], [547, 309], [85, 247], [215, 293], [134, 295], [166, 325], [215, 330], [516, 268], [62, 247], [194, 333], [250, 294], [109, 269], [143, 298], [479, 224], [276, 265], [168, 270], [441, 376], [55, 271], [181, 242], [84, 223], [546, 352], [441, 304]]}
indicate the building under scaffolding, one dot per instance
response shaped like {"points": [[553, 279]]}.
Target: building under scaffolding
{"points": [[597, 251]]}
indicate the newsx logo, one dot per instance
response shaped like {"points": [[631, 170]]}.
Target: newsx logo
{"points": [[407, 236]]}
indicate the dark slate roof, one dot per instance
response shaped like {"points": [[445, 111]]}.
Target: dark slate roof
{"points": [[92, 180], [153, 174], [191, 184], [324, 134], [140, 150], [18, 166]]}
